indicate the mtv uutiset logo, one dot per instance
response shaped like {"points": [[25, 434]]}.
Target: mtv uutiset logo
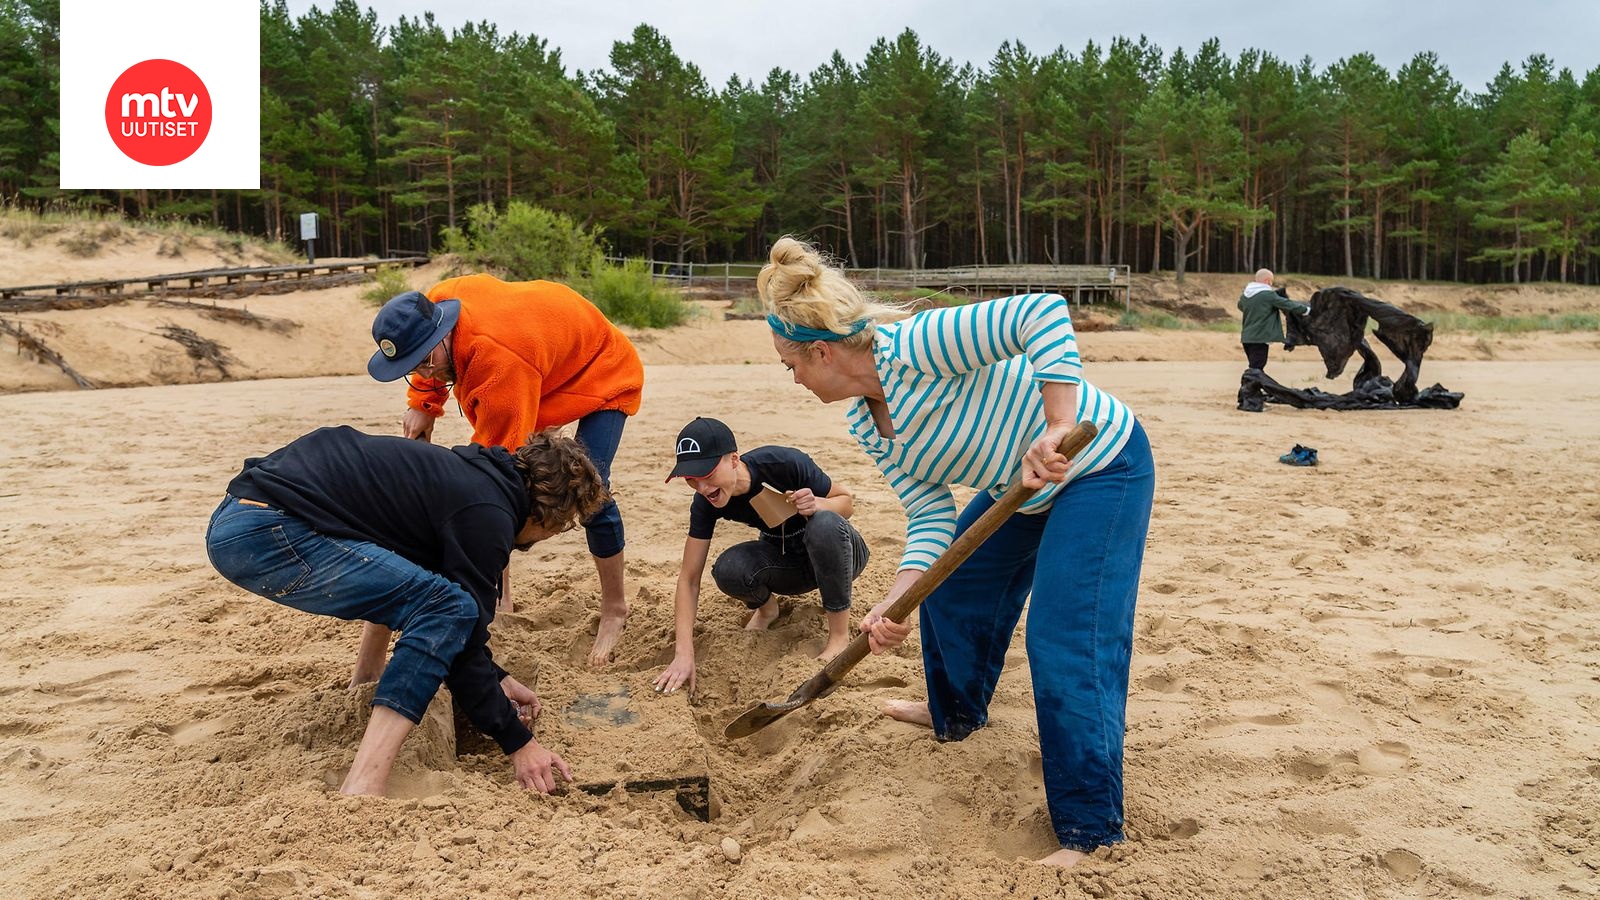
{"points": [[161, 101], [158, 112]]}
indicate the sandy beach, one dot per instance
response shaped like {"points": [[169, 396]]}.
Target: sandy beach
{"points": [[1376, 678]]}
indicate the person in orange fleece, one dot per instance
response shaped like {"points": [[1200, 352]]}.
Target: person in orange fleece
{"points": [[520, 357]]}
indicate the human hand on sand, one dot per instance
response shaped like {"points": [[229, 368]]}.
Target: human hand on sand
{"points": [[526, 701], [536, 767], [1042, 463], [883, 634], [676, 675]]}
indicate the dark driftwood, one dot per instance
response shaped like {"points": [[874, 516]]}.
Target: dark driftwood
{"points": [[57, 304], [34, 348], [1337, 327], [202, 350], [229, 314]]}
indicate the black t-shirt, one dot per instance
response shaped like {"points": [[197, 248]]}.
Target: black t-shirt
{"points": [[454, 511], [786, 469]]}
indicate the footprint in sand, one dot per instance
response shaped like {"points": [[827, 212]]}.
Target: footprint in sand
{"points": [[1383, 758], [1182, 829], [1402, 864], [1162, 682], [1227, 723]]}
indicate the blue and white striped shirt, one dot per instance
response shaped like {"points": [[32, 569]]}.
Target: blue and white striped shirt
{"points": [[964, 406]]}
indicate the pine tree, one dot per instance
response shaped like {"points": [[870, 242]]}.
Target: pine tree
{"points": [[1517, 197]]}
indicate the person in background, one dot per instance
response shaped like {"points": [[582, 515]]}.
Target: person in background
{"points": [[1262, 324]]}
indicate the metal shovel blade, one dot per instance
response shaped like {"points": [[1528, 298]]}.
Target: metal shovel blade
{"points": [[760, 716], [821, 684]]}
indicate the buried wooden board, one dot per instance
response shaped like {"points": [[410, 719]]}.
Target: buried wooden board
{"points": [[616, 737], [615, 734]]}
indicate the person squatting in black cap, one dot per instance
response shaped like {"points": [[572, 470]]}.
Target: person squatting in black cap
{"points": [[803, 542]]}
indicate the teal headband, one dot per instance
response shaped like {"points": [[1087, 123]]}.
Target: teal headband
{"points": [[800, 334]]}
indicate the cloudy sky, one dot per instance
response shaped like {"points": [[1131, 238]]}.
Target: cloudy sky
{"points": [[727, 37]]}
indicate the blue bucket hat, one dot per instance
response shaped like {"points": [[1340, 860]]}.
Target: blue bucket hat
{"points": [[407, 329]]}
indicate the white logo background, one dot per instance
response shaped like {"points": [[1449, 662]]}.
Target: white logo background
{"points": [[219, 39]]}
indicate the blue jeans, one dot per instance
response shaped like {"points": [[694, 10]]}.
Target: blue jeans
{"points": [[599, 433], [1080, 634], [267, 551]]}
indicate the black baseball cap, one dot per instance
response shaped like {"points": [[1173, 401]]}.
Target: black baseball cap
{"points": [[701, 445], [406, 330]]}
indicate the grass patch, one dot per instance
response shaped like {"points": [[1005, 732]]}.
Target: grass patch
{"points": [[83, 230], [1160, 320], [1463, 322], [387, 282]]}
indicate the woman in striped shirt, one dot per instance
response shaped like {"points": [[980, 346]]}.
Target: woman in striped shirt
{"points": [[981, 395]]}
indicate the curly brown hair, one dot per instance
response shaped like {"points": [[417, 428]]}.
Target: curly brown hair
{"points": [[563, 485]]}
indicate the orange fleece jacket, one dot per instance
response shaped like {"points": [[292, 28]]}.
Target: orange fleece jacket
{"points": [[531, 355]]}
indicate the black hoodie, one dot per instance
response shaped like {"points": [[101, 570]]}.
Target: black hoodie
{"points": [[452, 511]]}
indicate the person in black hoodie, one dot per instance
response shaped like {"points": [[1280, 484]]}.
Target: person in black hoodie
{"points": [[414, 537]]}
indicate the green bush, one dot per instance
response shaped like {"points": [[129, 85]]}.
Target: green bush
{"points": [[628, 295], [524, 243], [387, 283]]}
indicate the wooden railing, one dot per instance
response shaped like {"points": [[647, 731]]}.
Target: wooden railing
{"points": [[1080, 284]]}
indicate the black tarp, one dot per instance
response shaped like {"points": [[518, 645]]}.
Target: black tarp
{"points": [[1337, 327]]}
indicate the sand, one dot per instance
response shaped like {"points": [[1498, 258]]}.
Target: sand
{"points": [[1376, 678]]}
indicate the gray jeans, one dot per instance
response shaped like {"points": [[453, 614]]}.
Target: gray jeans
{"points": [[827, 558]]}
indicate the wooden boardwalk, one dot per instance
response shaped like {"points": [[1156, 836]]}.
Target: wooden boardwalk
{"points": [[206, 282], [1080, 284]]}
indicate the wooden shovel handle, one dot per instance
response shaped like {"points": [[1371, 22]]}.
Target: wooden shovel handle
{"points": [[957, 553]]}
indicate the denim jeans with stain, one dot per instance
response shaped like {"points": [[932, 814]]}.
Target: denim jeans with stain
{"points": [[271, 553]]}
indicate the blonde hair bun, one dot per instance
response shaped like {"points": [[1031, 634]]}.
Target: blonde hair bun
{"points": [[801, 286]]}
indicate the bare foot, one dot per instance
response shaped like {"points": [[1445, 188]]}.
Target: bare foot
{"points": [[355, 788], [606, 637], [1064, 858], [834, 647], [911, 711], [763, 616], [358, 678]]}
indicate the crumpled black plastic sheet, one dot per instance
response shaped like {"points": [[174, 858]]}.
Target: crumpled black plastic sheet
{"points": [[1337, 328], [1257, 389]]}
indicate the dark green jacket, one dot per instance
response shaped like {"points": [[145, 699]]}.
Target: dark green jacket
{"points": [[1261, 322]]}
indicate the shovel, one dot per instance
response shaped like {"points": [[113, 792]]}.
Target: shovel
{"points": [[763, 714]]}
